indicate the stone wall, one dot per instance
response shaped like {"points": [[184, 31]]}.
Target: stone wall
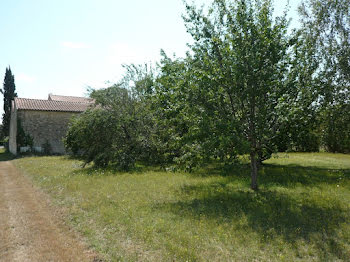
{"points": [[45, 126]]}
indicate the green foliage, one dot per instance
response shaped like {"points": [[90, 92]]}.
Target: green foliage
{"points": [[335, 126], [22, 138], [9, 94], [319, 73], [237, 78], [6, 144], [326, 32], [119, 130], [170, 107], [246, 87], [298, 121], [1, 132], [90, 135], [298, 130]]}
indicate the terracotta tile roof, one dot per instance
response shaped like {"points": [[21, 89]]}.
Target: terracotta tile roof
{"points": [[50, 105], [75, 99]]}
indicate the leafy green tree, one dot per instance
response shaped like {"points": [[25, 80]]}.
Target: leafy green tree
{"points": [[326, 30], [171, 108], [90, 136], [335, 128], [119, 130], [9, 94], [298, 121], [239, 64]]}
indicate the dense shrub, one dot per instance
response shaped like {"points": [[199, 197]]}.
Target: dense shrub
{"points": [[90, 136], [117, 131]]}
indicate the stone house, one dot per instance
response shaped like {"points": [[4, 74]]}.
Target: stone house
{"points": [[45, 121]]}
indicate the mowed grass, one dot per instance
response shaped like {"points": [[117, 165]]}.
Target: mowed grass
{"points": [[301, 213]]}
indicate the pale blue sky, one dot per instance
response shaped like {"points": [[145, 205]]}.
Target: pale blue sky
{"points": [[63, 46]]}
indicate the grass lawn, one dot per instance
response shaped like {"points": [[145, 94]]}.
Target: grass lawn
{"points": [[301, 213]]}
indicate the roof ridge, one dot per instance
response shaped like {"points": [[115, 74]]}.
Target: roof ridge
{"points": [[46, 100], [71, 96]]}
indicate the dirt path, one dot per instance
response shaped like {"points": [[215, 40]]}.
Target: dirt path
{"points": [[29, 229]]}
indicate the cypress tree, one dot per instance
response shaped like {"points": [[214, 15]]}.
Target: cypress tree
{"points": [[9, 94]]}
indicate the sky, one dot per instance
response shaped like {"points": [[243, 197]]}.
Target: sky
{"points": [[64, 46]]}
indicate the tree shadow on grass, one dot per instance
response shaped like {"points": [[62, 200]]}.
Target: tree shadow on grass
{"points": [[282, 175], [290, 175], [270, 213], [273, 211]]}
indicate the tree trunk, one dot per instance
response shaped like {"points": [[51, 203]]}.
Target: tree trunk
{"points": [[254, 171]]}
